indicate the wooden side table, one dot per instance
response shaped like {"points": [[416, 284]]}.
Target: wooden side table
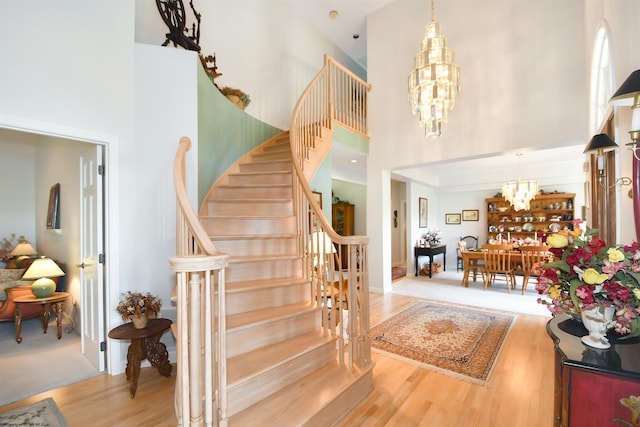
{"points": [[55, 302], [145, 344]]}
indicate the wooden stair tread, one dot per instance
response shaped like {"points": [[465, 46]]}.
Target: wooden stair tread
{"points": [[238, 259], [246, 366], [251, 200], [236, 321], [219, 237], [296, 404], [244, 285]]}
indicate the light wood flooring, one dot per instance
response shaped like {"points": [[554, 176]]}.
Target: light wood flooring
{"points": [[519, 392]]}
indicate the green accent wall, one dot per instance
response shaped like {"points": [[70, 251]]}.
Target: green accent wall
{"points": [[225, 133], [350, 139]]}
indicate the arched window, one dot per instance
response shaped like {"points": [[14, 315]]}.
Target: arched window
{"points": [[601, 213], [602, 80]]}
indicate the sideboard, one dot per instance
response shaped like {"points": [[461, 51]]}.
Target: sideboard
{"points": [[593, 388]]}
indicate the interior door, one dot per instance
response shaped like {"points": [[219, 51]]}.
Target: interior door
{"points": [[91, 252]]}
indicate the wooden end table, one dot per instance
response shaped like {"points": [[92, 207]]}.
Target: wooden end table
{"points": [[430, 251], [55, 302], [145, 344]]}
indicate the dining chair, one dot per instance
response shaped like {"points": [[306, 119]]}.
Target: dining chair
{"points": [[465, 243], [497, 260], [532, 259]]}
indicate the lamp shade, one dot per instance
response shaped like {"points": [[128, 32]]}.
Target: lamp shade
{"points": [[627, 91], [43, 269], [23, 248], [601, 141]]}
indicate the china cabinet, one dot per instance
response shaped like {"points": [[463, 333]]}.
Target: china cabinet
{"points": [[548, 213]]}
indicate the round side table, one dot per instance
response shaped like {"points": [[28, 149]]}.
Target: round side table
{"points": [[145, 344]]}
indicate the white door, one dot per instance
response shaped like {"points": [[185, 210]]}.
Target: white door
{"points": [[91, 255]]}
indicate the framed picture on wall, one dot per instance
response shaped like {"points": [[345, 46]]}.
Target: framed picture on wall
{"points": [[422, 212], [452, 218], [53, 212], [470, 215]]}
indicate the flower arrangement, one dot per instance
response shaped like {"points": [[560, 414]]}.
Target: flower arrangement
{"points": [[137, 304], [587, 273], [432, 237]]}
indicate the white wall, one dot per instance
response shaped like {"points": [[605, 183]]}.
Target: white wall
{"points": [[17, 194], [264, 48]]}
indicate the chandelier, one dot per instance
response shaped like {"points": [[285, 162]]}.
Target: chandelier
{"points": [[519, 193], [434, 80]]}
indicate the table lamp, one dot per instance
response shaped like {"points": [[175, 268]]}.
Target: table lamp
{"points": [[21, 251], [43, 269]]}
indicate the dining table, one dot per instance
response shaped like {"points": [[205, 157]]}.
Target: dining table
{"points": [[472, 261]]}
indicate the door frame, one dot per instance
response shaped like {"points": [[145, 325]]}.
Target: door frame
{"points": [[113, 358]]}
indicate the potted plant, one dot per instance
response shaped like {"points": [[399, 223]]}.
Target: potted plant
{"points": [[138, 308], [238, 97]]}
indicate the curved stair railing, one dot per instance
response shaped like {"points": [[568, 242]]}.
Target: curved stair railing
{"points": [[200, 302], [337, 266]]}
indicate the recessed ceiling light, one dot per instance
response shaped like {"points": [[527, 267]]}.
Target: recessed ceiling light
{"points": [[333, 14]]}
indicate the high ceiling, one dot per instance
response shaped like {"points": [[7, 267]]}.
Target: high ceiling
{"points": [[350, 21]]}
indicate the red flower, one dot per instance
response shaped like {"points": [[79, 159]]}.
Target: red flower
{"points": [[580, 256], [596, 245]]}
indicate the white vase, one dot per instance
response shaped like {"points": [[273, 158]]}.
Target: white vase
{"points": [[597, 321]]}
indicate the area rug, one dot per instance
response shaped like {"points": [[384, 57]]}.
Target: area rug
{"points": [[458, 341], [398, 272], [42, 413]]}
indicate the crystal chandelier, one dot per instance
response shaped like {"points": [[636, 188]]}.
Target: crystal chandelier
{"points": [[519, 193], [434, 80]]}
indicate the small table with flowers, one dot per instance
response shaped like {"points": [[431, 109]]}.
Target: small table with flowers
{"points": [[430, 251], [145, 344]]}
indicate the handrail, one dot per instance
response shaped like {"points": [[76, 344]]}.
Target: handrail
{"points": [[200, 304], [334, 95], [189, 226]]}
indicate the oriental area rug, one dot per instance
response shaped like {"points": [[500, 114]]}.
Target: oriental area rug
{"points": [[458, 341], [42, 413]]}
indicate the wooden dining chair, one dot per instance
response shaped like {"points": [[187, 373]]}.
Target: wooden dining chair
{"points": [[532, 258], [497, 260]]}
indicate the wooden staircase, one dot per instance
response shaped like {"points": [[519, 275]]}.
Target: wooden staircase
{"points": [[282, 368], [270, 329]]}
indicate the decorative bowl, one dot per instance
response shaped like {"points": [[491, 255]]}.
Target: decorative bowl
{"points": [[503, 209]]}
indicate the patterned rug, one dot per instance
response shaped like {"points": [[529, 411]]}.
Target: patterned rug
{"points": [[42, 413], [458, 341]]}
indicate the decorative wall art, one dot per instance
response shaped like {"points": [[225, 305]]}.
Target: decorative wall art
{"points": [[422, 212], [452, 218], [53, 212], [470, 215]]}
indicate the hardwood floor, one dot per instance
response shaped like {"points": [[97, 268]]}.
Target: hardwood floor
{"points": [[519, 392]]}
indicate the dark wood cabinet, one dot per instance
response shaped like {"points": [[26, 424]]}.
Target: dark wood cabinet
{"points": [[591, 385], [343, 222], [342, 218]]}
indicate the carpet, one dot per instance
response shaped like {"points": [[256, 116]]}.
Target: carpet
{"points": [[42, 413], [458, 341]]}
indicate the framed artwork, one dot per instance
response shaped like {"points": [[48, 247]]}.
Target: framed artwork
{"points": [[452, 218], [53, 212], [470, 215], [422, 212], [318, 197]]}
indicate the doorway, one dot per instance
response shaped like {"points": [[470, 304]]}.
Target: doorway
{"points": [[398, 229], [57, 159]]}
